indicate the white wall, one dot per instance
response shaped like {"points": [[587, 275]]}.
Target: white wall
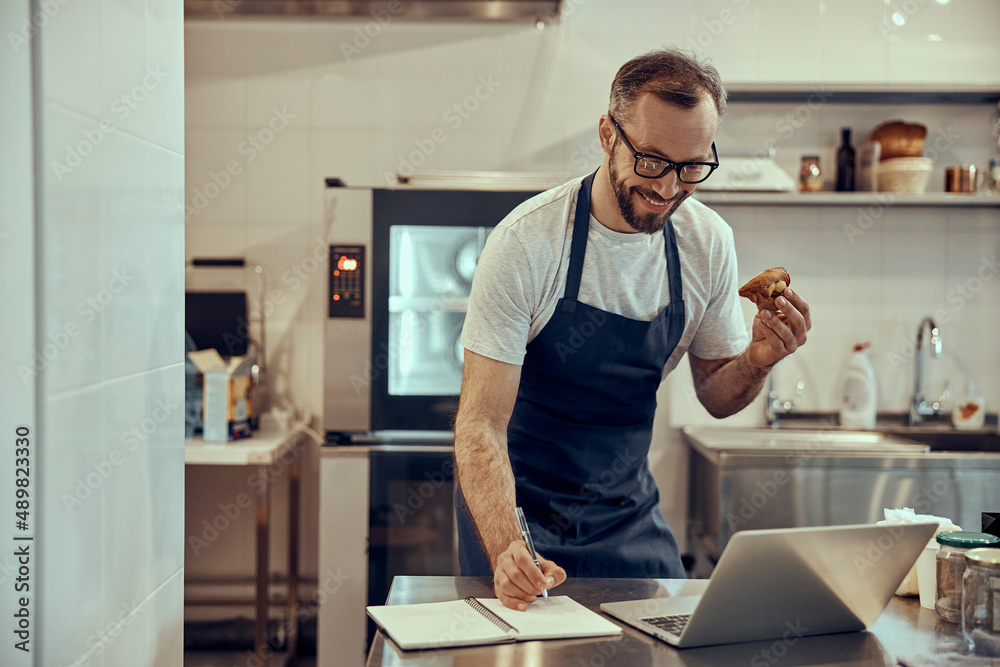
{"points": [[102, 256], [362, 108], [17, 267]]}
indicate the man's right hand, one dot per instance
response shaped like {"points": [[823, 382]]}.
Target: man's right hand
{"points": [[516, 580]]}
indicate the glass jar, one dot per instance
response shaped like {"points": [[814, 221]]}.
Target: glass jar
{"points": [[810, 176], [951, 570], [981, 598]]}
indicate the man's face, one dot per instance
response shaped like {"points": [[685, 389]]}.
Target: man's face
{"points": [[664, 130]]}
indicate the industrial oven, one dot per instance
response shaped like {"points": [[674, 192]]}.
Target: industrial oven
{"points": [[401, 267]]}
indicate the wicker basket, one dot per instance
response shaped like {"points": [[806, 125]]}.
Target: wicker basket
{"points": [[904, 175], [899, 139]]}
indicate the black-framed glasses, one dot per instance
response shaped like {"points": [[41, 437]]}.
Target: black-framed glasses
{"points": [[651, 166]]}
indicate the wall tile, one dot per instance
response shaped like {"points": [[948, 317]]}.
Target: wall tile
{"points": [[166, 233], [276, 177], [74, 282], [126, 223], [853, 19], [848, 286], [165, 109], [660, 23], [287, 93], [215, 169], [74, 492], [215, 71], [971, 284], [471, 150], [914, 265], [734, 57], [854, 60], [343, 97], [143, 537], [165, 622], [790, 59], [712, 18], [70, 57], [411, 104], [164, 404], [786, 18], [918, 60]]}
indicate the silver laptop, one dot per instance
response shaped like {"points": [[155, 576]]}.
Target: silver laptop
{"points": [[786, 583]]}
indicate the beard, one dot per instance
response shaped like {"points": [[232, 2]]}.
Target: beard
{"points": [[645, 223]]}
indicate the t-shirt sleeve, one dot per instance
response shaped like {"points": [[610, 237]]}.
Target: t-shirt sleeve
{"points": [[499, 316], [722, 332]]}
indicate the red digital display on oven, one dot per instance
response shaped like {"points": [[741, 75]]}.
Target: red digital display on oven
{"points": [[347, 289]]}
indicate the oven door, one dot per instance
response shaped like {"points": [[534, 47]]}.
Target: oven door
{"points": [[411, 527], [386, 509], [425, 244]]}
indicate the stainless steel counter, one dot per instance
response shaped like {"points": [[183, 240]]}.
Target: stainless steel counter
{"points": [[904, 629], [761, 478]]}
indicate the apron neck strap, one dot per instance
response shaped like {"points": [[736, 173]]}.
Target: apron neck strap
{"points": [[673, 262], [578, 247]]}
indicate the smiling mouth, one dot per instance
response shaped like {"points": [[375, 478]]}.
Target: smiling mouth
{"points": [[654, 200]]}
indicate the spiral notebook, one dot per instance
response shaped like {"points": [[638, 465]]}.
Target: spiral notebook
{"points": [[474, 621]]}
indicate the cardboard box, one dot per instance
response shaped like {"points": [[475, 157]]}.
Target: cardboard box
{"points": [[228, 395]]}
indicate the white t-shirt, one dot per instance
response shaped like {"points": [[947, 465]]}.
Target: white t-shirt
{"points": [[522, 271]]}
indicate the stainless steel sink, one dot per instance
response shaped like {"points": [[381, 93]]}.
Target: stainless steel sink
{"points": [[746, 478], [951, 440], [750, 439]]}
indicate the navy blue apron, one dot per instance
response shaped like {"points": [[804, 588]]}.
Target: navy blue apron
{"points": [[580, 431]]}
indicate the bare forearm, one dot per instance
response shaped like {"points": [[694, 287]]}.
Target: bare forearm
{"points": [[730, 387], [487, 481]]}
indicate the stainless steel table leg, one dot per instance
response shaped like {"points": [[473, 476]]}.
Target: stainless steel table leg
{"points": [[293, 558], [261, 649]]}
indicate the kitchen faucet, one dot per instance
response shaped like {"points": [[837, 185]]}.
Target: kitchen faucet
{"points": [[774, 406], [919, 408]]}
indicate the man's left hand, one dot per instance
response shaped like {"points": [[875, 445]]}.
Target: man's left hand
{"points": [[777, 335]]}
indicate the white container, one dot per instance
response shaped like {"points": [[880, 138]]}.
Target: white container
{"points": [[858, 391], [927, 575]]}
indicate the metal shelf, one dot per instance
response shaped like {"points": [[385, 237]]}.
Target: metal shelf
{"points": [[866, 94], [937, 199]]}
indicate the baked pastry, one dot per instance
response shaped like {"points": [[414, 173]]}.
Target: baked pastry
{"points": [[765, 287]]}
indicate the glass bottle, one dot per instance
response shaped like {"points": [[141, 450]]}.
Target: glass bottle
{"points": [[845, 162], [981, 598], [951, 569]]}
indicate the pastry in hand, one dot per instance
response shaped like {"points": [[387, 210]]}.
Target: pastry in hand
{"points": [[765, 287]]}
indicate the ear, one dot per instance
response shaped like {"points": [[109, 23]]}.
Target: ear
{"points": [[606, 133]]}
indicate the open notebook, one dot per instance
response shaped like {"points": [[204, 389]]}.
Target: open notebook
{"points": [[486, 621]]}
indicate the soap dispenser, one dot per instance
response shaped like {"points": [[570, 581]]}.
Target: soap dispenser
{"points": [[858, 392]]}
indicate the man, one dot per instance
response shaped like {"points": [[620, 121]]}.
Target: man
{"points": [[584, 298]]}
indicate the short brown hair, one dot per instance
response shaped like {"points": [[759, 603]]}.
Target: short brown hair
{"points": [[674, 76]]}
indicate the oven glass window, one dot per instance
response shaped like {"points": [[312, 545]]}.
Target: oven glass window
{"points": [[430, 276]]}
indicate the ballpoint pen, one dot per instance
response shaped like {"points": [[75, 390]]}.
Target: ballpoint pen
{"points": [[523, 525]]}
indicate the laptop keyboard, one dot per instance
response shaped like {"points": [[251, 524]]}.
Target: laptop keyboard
{"points": [[672, 624]]}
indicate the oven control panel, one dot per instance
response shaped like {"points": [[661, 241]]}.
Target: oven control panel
{"points": [[347, 281]]}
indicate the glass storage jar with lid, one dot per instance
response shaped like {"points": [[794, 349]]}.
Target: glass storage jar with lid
{"points": [[981, 600], [951, 569]]}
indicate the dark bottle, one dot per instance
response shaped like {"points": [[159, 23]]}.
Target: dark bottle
{"points": [[845, 162]]}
